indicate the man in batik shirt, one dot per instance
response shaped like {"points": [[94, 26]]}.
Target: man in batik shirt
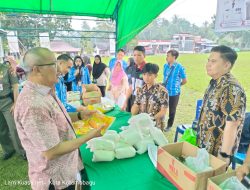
{"points": [[152, 98], [45, 128], [224, 103]]}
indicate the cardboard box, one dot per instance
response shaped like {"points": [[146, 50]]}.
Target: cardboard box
{"points": [[92, 97], [178, 173], [214, 182]]}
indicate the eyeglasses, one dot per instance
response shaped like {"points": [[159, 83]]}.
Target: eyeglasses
{"points": [[49, 64]]}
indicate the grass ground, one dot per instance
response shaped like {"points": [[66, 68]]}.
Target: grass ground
{"points": [[15, 169]]}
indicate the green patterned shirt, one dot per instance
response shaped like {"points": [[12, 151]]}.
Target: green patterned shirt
{"points": [[6, 80]]}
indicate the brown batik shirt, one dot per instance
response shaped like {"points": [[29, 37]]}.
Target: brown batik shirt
{"points": [[224, 100], [152, 100]]}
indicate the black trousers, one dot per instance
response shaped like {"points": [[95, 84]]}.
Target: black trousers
{"points": [[173, 102], [130, 103], [103, 89], [68, 84]]}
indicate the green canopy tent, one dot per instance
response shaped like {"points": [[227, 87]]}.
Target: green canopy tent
{"points": [[131, 16]]}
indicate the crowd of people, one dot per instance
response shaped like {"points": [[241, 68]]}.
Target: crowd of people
{"points": [[43, 118]]}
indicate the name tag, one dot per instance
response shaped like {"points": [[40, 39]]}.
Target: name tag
{"points": [[138, 83], [1, 75], [1, 81]]}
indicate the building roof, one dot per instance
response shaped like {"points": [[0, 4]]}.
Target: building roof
{"points": [[61, 46], [2, 32]]}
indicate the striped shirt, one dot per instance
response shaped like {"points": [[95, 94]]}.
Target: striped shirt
{"points": [[174, 78]]}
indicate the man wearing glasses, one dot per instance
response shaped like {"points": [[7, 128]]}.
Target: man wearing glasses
{"points": [[45, 128]]}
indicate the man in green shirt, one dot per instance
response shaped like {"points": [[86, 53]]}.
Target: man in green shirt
{"points": [[9, 139]]}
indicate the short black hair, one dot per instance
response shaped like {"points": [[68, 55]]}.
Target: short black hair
{"points": [[122, 50], [140, 48], [150, 68], [174, 53], [227, 53], [131, 61], [64, 57]]}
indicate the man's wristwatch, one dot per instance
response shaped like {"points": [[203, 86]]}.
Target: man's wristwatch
{"points": [[225, 155], [79, 115]]}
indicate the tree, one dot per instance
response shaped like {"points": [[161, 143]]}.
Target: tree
{"points": [[245, 40], [106, 26], [86, 43], [106, 29], [29, 26], [207, 31], [130, 46]]}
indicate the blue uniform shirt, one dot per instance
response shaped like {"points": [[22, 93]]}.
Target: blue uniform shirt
{"points": [[174, 81], [61, 93], [85, 79]]}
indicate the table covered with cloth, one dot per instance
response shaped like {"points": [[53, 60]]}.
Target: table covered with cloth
{"points": [[131, 174]]}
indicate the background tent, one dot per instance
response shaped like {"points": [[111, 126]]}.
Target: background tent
{"points": [[131, 16]]}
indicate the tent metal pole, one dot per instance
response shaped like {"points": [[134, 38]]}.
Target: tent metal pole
{"points": [[61, 30], [116, 28], [119, 2]]}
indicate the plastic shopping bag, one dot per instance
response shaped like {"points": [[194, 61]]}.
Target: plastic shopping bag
{"points": [[231, 184], [200, 163], [189, 136]]}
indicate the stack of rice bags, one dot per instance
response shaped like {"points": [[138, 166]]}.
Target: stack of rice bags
{"points": [[133, 139], [73, 98]]}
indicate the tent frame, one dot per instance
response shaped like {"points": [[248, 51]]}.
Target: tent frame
{"points": [[130, 16]]}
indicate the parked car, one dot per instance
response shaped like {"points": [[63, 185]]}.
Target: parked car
{"points": [[207, 50]]}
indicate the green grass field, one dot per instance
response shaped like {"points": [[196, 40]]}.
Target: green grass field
{"points": [[196, 74], [15, 168]]}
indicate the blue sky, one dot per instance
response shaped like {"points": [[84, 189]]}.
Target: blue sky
{"points": [[195, 11]]}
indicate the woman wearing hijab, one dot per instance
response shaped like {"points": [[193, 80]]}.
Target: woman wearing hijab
{"points": [[79, 74], [87, 62], [118, 84], [129, 69], [100, 74]]}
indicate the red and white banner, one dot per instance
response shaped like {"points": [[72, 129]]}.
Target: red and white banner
{"points": [[44, 40], [232, 15], [13, 41], [1, 48]]}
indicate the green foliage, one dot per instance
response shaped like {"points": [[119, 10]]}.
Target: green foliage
{"points": [[86, 44], [29, 38], [162, 29]]}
